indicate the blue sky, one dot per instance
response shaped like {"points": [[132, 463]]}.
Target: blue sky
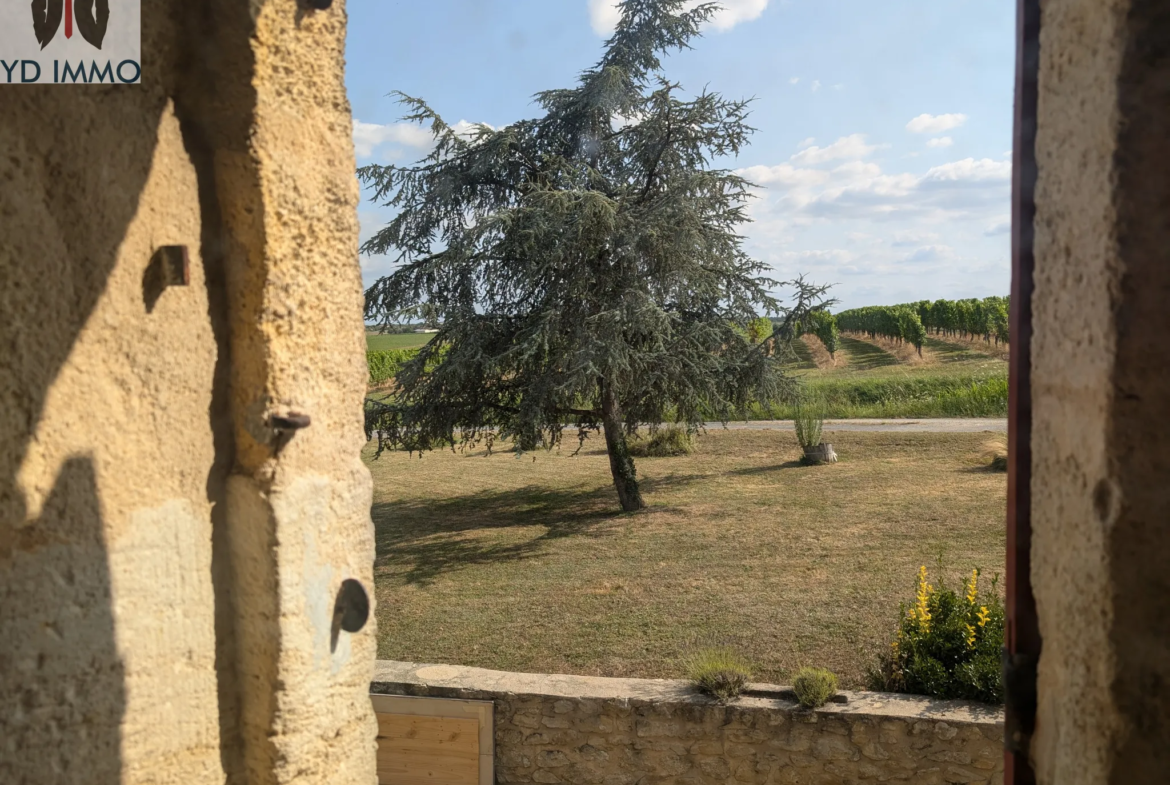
{"points": [[884, 128]]}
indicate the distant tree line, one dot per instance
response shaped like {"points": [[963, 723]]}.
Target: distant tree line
{"points": [[910, 322], [970, 318], [899, 323]]}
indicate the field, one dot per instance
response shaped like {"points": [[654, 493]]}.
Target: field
{"points": [[877, 379], [869, 378], [379, 342], [524, 564]]}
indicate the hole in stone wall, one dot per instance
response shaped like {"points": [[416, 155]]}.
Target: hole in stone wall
{"points": [[351, 610]]}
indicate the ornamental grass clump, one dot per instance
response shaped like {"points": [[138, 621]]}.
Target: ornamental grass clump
{"points": [[809, 420], [721, 672], [948, 644], [814, 687], [995, 456], [664, 443]]}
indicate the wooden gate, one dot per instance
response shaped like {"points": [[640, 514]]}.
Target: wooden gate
{"points": [[433, 741]]}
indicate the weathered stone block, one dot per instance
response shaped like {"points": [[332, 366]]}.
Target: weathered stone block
{"points": [[716, 768], [834, 748], [945, 731], [526, 719]]}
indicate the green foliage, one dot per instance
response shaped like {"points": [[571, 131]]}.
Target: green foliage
{"points": [[664, 443], [814, 686], [585, 267], [385, 364], [896, 322], [824, 326], [970, 318], [759, 330], [808, 418], [720, 672], [922, 396], [948, 644]]}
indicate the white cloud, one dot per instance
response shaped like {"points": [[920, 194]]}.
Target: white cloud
{"points": [[905, 239], [785, 175], [940, 141], [604, 14], [809, 142], [1002, 226], [970, 170], [403, 138], [467, 129], [816, 85], [838, 87], [859, 190], [794, 80], [931, 253], [935, 124], [852, 146], [367, 137]]}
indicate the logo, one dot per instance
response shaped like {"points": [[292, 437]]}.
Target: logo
{"points": [[93, 16], [78, 42]]}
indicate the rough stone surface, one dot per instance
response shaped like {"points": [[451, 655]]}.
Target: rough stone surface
{"points": [[168, 563], [1101, 391], [625, 731]]}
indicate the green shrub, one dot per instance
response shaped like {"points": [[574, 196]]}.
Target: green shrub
{"points": [[664, 443], [809, 419], [719, 672], [948, 644], [961, 395], [814, 686], [384, 364]]}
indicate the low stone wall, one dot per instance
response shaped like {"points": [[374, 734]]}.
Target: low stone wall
{"points": [[581, 729]]}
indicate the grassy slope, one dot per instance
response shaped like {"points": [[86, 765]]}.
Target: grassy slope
{"points": [[524, 565], [376, 342], [871, 382], [868, 381]]}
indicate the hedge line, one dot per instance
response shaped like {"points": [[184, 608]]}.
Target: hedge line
{"points": [[385, 363]]}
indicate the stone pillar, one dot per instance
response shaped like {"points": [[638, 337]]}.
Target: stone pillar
{"points": [[1101, 393], [172, 540]]}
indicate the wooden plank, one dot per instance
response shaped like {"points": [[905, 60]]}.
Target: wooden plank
{"points": [[414, 750]]}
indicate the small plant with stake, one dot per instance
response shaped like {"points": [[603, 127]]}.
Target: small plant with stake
{"points": [[809, 422]]}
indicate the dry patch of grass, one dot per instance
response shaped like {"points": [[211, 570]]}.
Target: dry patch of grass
{"points": [[820, 355], [972, 346], [526, 565], [904, 353]]}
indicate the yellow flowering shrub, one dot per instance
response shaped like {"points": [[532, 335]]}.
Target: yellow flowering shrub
{"points": [[947, 643]]}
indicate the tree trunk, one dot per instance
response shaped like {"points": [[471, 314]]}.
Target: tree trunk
{"points": [[621, 465]]}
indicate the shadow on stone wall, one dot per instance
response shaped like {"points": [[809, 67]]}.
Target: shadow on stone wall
{"points": [[72, 168]]}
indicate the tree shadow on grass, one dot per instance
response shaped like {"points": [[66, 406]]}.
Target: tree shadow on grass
{"points": [[865, 356], [422, 538], [753, 470]]}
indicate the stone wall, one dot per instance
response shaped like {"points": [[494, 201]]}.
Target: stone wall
{"points": [[169, 559], [580, 729], [1101, 393]]}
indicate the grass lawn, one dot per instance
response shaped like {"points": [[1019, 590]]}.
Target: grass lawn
{"points": [[525, 565], [380, 342], [868, 380]]}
